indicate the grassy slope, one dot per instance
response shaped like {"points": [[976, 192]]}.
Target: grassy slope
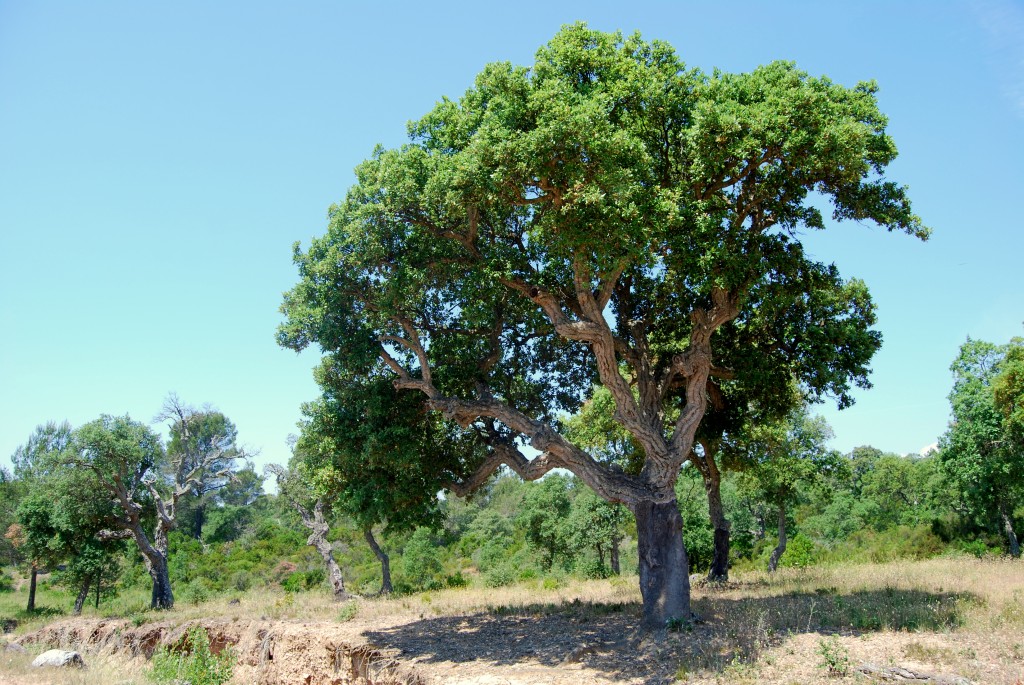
{"points": [[949, 615]]}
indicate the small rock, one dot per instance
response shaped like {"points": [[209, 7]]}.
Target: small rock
{"points": [[577, 654], [59, 658], [14, 647], [235, 601]]}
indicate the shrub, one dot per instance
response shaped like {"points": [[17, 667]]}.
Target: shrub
{"points": [[295, 582], [977, 548], [591, 568], [835, 659], [314, 578], [241, 580], [801, 552], [195, 592], [500, 576], [194, 663], [455, 580], [5, 583]]}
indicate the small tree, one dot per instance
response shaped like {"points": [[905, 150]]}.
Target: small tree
{"points": [[294, 487], [783, 457], [33, 463], [374, 455], [594, 522], [544, 516]]}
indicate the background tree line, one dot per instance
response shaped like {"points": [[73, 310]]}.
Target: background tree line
{"points": [[788, 500]]}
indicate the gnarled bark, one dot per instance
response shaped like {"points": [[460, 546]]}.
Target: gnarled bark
{"points": [[664, 570], [319, 529], [385, 561]]}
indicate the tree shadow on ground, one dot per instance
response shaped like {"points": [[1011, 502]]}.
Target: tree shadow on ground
{"points": [[603, 637]]}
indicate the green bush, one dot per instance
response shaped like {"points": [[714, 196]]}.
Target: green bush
{"points": [[977, 548], [315, 578], [294, 582], [455, 580], [241, 580], [591, 568], [194, 663], [801, 552], [195, 592], [5, 583], [500, 576]]}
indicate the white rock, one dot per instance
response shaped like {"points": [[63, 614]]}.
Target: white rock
{"points": [[58, 658]]}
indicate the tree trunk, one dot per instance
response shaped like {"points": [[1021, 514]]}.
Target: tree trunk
{"points": [[708, 468], [83, 594], [32, 588], [99, 578], [162, 597], [664, 570], [318, 539], [719, 570], [614, 554], [1011, 534], [780, 549], [385, 562]]}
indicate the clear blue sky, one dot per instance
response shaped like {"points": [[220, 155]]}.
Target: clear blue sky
{"points": [[157, 161]]}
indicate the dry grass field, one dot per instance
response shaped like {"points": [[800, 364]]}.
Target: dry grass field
{"points": [[948, 618]]}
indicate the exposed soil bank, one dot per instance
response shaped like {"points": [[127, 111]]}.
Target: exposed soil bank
{"points": [[267, 652]]}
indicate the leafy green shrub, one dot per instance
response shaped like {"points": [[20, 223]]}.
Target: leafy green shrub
{"points": [[455, 580], [420, 563], [294, 582], [528, 573], [977, 548], [241, 580], [553, 582], [314, 578], [195, 592], [5, 583], [348, 612], [801, 552], [835, 659], [591, 568], [194, 663], [500, 576]]}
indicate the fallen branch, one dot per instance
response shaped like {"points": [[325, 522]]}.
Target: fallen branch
{"points": [[905, 675]]}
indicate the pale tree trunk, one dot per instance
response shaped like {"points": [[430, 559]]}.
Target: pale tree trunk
{"points": [[614, 555], [385, 561], [83, 594], [780, 549], [317, 539], [32, 588], [1011, 534], [664, 570]]}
